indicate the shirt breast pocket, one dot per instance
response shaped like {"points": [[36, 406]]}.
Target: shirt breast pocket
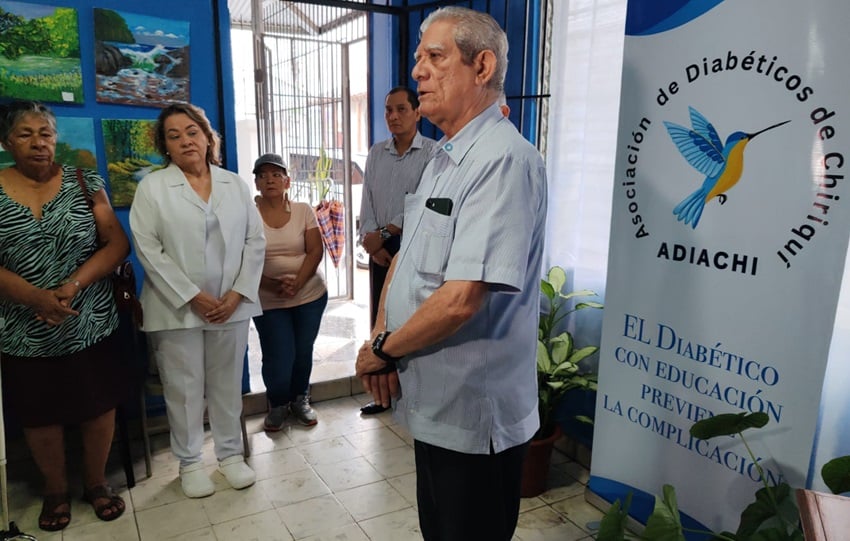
{"points": [[436, 232]]}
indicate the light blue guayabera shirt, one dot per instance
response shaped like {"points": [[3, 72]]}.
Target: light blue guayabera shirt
{"points": [[479, 385]]}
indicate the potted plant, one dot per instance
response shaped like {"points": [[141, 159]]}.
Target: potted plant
{"points": [[558, 371], [773, 516]]}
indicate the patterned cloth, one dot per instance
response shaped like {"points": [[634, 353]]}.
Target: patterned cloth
{"points": [[44, 252], [331, 218]]}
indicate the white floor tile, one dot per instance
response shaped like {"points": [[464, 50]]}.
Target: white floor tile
{"points": [[372, 500], [406, 485], [277, 463], [351, 532], [203, 534], [393, 462], [579, 512], [328, 451], [156, 491], [375, 440], [293, 487], [351, 478], [314, 516], [232, 504], [265, 526], [544, 524], [398, 526], [167, 521], [120, 529], [348, 474]]}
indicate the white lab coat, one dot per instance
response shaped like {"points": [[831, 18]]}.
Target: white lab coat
{"points": [[168, 225]]}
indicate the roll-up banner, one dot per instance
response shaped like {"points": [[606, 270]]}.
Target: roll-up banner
{"points": [[728, 242]]}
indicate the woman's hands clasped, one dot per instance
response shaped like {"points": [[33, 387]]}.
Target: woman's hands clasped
{"points": [[214, 310], [53, 306]]}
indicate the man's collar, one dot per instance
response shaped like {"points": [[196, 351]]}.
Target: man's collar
{"points": [[457, 147]]}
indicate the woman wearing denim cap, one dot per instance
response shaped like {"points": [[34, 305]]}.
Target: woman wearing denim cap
{"points": [[292, 292], [200, 241]]}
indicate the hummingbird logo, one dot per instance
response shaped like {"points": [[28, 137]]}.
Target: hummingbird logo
{"points": [[722, 164]]}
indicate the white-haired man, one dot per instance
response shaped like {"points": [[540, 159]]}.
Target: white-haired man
{"points": [[456, 335]]}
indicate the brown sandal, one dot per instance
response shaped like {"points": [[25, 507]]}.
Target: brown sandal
{"points": [[110, 510], [51, 520]]}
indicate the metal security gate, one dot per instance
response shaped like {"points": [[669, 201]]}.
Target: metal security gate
{"points": [[302, 59]]}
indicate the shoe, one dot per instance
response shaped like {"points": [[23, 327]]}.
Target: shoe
{"points": [[276, 418], [237, 472], [51, 520], [371, 408], [301, 409], [111, 509], [195, 482]]}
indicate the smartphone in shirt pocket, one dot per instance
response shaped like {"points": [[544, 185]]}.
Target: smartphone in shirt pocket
{"points": [[440, 205]]}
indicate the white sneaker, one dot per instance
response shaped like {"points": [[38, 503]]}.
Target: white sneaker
{"points": [[195, 482], [237, 472]]}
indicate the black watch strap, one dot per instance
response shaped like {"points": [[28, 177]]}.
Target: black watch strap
{"points": [[378, 350]]}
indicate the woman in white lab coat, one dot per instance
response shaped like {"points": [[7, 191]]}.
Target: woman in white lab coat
{"points": [[200, 241]]}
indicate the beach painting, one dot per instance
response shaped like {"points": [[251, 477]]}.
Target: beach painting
{"points": [[40, 53], [75, 144], [139, 59], [130, 155]]}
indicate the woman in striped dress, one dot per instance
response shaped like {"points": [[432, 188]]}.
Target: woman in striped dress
{"points": [[58, 315]]}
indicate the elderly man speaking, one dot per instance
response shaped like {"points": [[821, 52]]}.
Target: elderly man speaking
{"points": [[456, 336]]}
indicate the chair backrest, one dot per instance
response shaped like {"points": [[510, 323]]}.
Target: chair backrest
{"points": [[825, 517]]}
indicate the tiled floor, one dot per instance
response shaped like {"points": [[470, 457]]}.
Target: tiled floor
{"points": [[348, 478]]}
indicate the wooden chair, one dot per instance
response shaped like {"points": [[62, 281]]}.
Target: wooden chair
{"points": [[825, 517]]}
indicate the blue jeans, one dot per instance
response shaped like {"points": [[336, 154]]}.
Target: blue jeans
{"points": [[286, 338]]}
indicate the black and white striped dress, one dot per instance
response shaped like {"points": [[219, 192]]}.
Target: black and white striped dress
{"points": [[44, 252]]}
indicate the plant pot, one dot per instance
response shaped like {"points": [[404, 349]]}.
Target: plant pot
{"points": [[535, 468]]}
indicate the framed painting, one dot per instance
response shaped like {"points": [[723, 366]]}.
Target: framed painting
{"points": [[75, 144], [40, 53], [130, 155], [140, 60]]}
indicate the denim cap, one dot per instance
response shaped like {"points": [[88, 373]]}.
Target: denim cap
{"points": [[273, 159]]}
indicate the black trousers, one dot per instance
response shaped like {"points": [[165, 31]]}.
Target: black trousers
{"points": [[463, 497], [378, 275]]}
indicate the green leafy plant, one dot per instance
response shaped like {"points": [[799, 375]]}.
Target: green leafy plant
{"points": [[558, 358], [321, 180], [773, 516]]}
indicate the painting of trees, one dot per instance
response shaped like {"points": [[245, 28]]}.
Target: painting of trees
{"points": [[39, 53], [130, 155]]}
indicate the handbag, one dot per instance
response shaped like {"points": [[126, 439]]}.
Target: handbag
{"points": [[123, 278]]}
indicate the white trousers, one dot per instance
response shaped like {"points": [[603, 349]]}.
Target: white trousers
{"points": [[198, 363]]}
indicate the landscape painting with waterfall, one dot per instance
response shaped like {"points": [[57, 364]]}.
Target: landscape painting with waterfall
{"points": [[140, 60]]}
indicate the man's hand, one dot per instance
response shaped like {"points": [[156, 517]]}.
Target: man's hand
{"points": [[367, 361], [372, 242], [382, 258], [382, 387]]}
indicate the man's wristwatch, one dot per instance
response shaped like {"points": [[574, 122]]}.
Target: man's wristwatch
{"points": [[385, 233], [378, 350]]}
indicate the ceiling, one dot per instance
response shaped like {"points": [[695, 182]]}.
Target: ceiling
{"points": [[294, 18]]}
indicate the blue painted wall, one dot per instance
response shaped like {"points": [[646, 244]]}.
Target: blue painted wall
{"points": [[211, 73], [523, 53]]}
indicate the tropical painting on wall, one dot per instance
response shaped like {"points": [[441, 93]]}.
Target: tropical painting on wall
{"points": [[140, 60], [74, 145], [40, 53], [130, 155]]}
